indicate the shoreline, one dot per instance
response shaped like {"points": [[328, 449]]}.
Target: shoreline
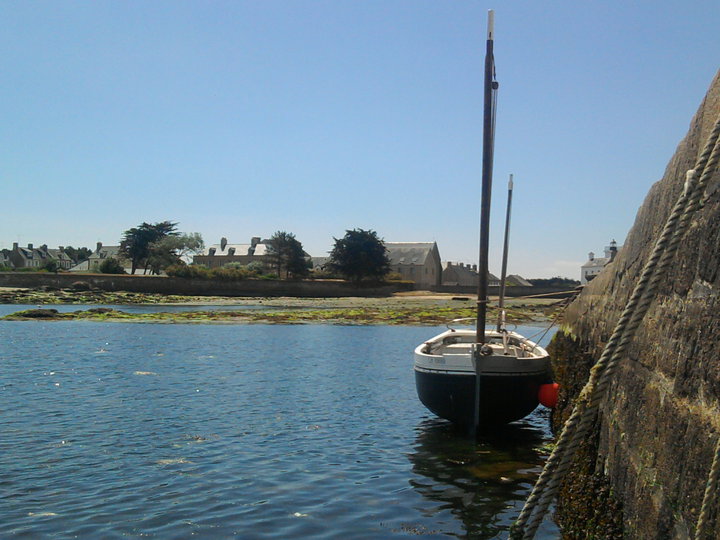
{"points": [[400, 309]]}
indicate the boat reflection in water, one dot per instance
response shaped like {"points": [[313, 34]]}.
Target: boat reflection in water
{"points": [[481, 484]]}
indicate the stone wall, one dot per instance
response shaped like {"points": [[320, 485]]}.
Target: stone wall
{"points": [[199, 287], [642, 473]]}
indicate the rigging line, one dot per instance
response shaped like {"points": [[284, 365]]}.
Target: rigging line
{"points": [[587, 405]]}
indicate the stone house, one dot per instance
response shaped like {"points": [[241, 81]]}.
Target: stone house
{"points": [[416, 261], [27, 257], [35, 257], [5, 258], [63, 259], [223, 253], [594, 264], [465, 275], [100, 254]]}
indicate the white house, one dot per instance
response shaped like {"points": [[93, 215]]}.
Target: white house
{"points": [[594, 264]]}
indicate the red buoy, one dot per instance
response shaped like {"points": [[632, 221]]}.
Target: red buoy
{"points": [[548, 394]]}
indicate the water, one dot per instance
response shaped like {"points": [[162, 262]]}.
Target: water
{"points": [[247, 431]]}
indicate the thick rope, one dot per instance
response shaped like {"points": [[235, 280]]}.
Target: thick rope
{"points": [[593, 393], [711, 492]]}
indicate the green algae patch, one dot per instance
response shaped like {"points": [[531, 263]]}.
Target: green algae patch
{"points": [[388, 311]]}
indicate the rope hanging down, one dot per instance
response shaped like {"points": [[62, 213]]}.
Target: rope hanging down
{"points": [[588, 402], [711, 491]]}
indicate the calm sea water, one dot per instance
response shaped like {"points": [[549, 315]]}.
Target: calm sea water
{"points": [[247, 431]]}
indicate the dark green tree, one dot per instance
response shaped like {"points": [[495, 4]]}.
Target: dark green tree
{"points": [[136, 242], [111, 266], [359, 255], [170, 250], [78, 254], [51, 265], [286, 254]]}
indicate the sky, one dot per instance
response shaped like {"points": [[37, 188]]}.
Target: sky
{"points": [[242, 118]]}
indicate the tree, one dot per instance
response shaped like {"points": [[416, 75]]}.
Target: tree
{"points": [[171, 250], [78, 254], [51, 266], [135, 244], [111, 266], [286, 253], [360, 254]]}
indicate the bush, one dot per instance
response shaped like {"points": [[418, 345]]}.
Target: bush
{"points": [[394, 276], [188, 271], [257, 267], [111, 266], [225, 273], [51, 266], [228, 272]]}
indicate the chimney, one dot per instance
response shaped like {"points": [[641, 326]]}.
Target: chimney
{"points": [[462, 265], [254, 241], [61, 248], [15, 246], [98, 247], [44, 247], [30, 246], [223, 243], [591, 256], [474, 267]]}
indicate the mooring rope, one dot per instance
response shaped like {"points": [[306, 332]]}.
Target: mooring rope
{"points": [[711, 492], [588, 402]]}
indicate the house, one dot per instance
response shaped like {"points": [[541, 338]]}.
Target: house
{"points": [[320, 263], [102, 253], [465, 275], [514, 280], [5, 261], [64, 260], [416, 261], [594, 264], [27, 257], [223, 253]]}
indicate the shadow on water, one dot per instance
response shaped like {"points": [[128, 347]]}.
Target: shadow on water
{"points": [[483, 483]]}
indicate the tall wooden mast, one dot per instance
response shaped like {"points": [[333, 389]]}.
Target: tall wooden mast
{"points": [[490, 88]]}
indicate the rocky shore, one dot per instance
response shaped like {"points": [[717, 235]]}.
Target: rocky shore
{"points": [[402, 308]]}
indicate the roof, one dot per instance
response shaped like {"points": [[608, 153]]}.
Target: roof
{"points": [[515, 279], [597, 262], [215, 250], [411, 253], [105, 252], [58, 254]]}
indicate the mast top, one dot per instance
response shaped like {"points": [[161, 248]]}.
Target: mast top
{"points": [[510, 182], [491, 24]]}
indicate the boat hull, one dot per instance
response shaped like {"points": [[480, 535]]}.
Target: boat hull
{"points": [[503, 398], [512, 369]]}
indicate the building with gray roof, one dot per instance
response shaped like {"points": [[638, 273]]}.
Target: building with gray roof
{"points": [[223, 253], [416, 261], [594, 265]]}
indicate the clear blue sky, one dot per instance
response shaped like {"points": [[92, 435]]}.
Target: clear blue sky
{"points": [[241, 118]]}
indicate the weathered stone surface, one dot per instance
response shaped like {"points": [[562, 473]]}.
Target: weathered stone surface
{"points": [[652, 446]]}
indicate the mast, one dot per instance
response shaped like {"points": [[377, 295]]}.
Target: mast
{"points": [[487, 167], [501, 303]]}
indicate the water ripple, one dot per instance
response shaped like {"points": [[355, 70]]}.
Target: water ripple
{"points": [[166, 431]]}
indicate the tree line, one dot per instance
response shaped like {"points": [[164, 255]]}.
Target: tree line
{"points": [[359, 255]]}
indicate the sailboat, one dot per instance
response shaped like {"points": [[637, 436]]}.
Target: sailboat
{"points": [[480, 377]]}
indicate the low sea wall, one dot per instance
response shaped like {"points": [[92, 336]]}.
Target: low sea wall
{"points": [[200, 287], [512, 292]]}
